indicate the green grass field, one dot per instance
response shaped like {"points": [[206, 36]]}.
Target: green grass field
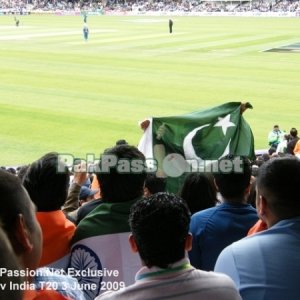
{"points": [[59, 93]]}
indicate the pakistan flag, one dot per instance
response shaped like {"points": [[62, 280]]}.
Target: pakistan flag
{"points": [[186, 142]]}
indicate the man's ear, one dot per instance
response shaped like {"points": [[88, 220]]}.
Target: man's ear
{"points": [[133, 244], [262, 206], [248, 189], [23, 235], [188, 242], [216, 186], [146, 192]]}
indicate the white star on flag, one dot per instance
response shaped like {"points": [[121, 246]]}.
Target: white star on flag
{"points": [[224, 123]]}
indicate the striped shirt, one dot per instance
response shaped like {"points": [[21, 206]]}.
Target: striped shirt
{"points": [[180, 281]]}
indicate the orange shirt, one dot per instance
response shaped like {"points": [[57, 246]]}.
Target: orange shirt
{"points": [[43, 295], [297, 148], [95, 186], [257, 227], [57, 233]]}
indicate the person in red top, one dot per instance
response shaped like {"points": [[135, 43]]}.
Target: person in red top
{"points": [[17, 214], [259, 226], [47, 181], [297, 149], [43, 295]]}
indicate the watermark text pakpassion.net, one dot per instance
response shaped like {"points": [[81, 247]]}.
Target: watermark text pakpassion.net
{"points": [[172, 165], [111, 281]]}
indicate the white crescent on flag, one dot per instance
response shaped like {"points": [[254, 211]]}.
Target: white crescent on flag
{"points": [[189, 150]]}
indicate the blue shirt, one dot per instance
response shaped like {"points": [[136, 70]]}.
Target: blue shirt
{"points": [[266, 266], [215, 228]]}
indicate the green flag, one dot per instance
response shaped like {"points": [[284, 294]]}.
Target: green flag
{"points": [[189, 141]]}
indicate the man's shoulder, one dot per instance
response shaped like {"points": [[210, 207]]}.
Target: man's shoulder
{"points": [[107, 218], [213, 279], [198, 283], [205, 212], [223, 208], [204, 217], [249, 243], [89, 207], [120, 294]]}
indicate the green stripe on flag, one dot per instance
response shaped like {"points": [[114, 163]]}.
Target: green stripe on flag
{"points": [[200, 136], [107, 218]]}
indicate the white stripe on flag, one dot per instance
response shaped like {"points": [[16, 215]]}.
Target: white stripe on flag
{"points": [[146, 142], [110, 253]]}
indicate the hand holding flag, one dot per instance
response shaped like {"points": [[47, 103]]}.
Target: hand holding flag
{"points": [[203, 135]]}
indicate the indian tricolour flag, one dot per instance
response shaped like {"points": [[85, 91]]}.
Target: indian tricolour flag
{"points": [[101, 257], [179, 143]]}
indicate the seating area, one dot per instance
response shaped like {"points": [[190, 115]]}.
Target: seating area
{"points": [[185, 6]]}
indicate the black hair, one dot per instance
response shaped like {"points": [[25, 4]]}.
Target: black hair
{"points": [[160, 225], [199, 191], [12, 170], [279, 180], [22, 171], [46, 186], [293, 132], [118, 186], [155, 184], [233, 184], [121, 142]]}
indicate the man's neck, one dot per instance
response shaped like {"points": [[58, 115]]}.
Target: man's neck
{"points": [[238, 200]]}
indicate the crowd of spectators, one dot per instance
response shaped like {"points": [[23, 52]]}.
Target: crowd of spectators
{"points": [[183, 6], [224, 208]]}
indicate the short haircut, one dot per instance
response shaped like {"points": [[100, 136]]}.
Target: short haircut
{"points": [[155, 184], [47, 187], [199, 191], [122, 187], [121, 142], [293, 132], [14, 201], [160, 225], [22, 171], [233, 184], [279, 180]]}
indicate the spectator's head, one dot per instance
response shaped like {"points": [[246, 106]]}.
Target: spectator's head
{"points": [[254, 170], [199, 191], [86, 194], [22, 171], [47, 181], [124, 180], [160, 229], [234, 184], [154, 184], [121, 142], [293, 132], [278, 184], [17, 214], [12, 170], [272, 150]]}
